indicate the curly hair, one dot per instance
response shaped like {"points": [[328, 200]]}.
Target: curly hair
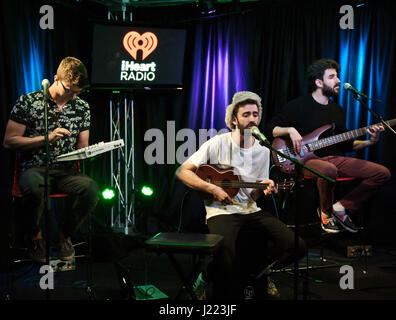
{"points": [[317, 69], [74, 71]]}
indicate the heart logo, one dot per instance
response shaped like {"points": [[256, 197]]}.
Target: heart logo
{"points": [[133, 41]]}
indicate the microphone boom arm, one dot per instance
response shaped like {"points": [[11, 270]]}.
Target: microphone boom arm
{"points": [[264, 142], [374, 113]]}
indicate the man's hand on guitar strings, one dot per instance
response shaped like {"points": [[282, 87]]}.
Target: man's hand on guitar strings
{"points": [[220, 195], [296, 139]]}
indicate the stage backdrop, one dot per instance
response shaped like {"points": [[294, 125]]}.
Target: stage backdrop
{"points": [[264, 48]]}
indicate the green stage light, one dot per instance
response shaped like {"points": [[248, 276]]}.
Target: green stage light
{"points": [[147, 191], [108, 194]]}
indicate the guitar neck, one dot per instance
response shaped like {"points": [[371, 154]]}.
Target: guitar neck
{"points": [[240, 184], [325, 142]]}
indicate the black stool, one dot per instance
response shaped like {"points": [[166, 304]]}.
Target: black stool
{"points": [[198, 245]]}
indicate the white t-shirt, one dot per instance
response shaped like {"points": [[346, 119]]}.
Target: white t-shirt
{"points": [[250, 164]]}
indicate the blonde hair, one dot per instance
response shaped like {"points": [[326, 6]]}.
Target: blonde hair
{"points": [[73, 70]]}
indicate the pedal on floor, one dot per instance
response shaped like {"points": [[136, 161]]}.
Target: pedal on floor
{"points": [[60, 265], [148, 292], [359, 251]]}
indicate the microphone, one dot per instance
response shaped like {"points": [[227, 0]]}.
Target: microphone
{"points": [[257, 134], [348, 86], [45, 84]]}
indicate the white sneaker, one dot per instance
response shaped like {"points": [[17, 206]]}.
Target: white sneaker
{"points": [[338, 208], [343, 219]]}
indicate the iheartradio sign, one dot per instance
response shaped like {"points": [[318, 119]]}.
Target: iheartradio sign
{"points": [[125, 56], [147, 43], [134, 42]]}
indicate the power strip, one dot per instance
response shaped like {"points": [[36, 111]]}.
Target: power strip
{"points": [[359, 251]]}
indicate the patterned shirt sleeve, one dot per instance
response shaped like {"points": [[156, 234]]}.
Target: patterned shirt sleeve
{"points": [[86, 123], [18, 112]]}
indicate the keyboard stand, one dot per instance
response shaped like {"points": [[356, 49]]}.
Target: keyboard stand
{"points": [[197, 244]]}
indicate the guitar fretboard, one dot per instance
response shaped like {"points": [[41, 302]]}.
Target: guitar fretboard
{"points": [[325, 142], [239, 184], [253, 185]]}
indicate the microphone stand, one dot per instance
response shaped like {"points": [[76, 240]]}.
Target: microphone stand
{"points": [[266, 143], [90, 289], [47, 200], [355, 95]]}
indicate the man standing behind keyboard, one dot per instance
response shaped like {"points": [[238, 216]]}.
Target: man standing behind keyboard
{"points": [[68, 130]]}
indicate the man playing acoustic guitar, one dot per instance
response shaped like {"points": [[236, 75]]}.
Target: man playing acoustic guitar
{"points": [[305, 114], [246, 229]]}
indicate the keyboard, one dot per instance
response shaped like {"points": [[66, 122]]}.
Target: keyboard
{"points": [[91, 151]]}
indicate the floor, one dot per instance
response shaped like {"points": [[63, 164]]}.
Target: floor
{"points": [[143, 275]]}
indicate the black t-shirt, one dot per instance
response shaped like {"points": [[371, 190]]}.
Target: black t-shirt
{"points": [[305, 114]]}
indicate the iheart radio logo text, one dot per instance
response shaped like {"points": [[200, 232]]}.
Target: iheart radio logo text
{"points": [[133, 42]]}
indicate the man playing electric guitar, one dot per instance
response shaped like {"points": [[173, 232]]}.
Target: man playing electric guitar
{"points": [[305, 114], [246, 229]]}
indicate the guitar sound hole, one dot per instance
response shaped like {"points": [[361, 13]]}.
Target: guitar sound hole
{"points": [[226, 183]]}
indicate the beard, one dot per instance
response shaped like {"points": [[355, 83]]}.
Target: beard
{"points": [[330, 92], [244, 129]]}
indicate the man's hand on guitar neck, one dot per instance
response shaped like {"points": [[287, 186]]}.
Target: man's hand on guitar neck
{"points": [[374, 132], [294, 136], [255, 194], [271, 187]]}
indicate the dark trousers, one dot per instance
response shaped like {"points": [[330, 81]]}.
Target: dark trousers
{"points": [[82, 191], [251, 242], [372, 176]]}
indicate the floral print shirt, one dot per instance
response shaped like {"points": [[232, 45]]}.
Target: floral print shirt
{"points": [[29, 110]]}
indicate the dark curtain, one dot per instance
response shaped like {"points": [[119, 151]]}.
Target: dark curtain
{"points": [[38, 55], [300, 33], [284, 40], [265, 48]]}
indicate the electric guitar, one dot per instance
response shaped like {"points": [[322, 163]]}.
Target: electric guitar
{"points": [[310, 143], [226, 179]]}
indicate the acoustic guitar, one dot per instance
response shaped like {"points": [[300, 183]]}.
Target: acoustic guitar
{"points": [[230, 182]]}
